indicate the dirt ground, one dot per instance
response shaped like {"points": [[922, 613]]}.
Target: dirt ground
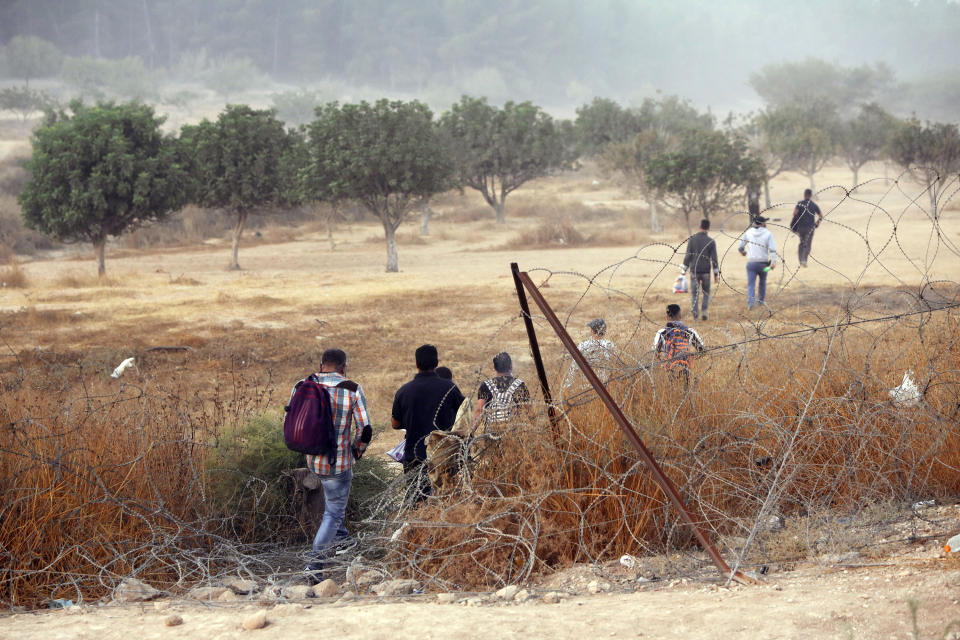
{"points": [[810, 602], [454, 284]]}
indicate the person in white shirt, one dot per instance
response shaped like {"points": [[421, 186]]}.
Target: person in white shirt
{"points": [[599, 352], [757, 244]]}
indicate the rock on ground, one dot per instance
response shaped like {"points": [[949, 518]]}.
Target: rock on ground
{"points": [[173, 620], [508, 592], [326, 589], [133, 590], [298, 592], [239, 586], [206, 593], [395, 587], [256, 621]]}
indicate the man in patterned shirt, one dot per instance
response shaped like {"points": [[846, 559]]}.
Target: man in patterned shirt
{"points": [[349, 406]]}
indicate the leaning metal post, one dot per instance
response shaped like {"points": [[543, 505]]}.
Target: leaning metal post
{"points": [[534, 345], [662, 480]]}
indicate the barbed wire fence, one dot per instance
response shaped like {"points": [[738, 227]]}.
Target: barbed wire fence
{"points": [[797, 439]]}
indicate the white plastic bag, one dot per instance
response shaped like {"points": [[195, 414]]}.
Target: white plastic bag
{"points": [[907, 394]]}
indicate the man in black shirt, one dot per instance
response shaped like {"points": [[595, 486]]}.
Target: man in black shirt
{"points": [[806, 218], [701, 256], [426, 403]]}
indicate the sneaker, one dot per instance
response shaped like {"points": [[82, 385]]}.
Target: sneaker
{"points": [[703, 317], [343, 546], [313, 572]]}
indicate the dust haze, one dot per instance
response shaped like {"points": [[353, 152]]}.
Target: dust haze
{"points": [[556, 53]]}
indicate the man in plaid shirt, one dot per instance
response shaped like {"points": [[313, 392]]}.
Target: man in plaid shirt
{"points": [[349, 405]]}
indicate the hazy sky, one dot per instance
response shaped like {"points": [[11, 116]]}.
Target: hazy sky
{"points": [[558, 53]]}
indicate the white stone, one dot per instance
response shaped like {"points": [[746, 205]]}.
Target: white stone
{"points": [[133, 590], [326, 589], [298, 592], [256, 621], [206, 593], [508, 592], [239, 585], [228, 596], [395, 587], [522, 595]]}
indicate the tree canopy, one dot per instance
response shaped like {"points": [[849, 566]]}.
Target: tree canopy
{"points": [[32, 57], [496, 150], [931, 151], [865, 137], [388, 156], [814, 81], [239, 164], [99, 172], [704, 172]]}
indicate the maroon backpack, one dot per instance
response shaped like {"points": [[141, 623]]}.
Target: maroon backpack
{"points": [[308, 426]]}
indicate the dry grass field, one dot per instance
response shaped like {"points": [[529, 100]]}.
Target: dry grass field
{"points": [[250, 334]]}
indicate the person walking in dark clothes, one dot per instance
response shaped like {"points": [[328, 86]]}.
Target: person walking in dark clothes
{"points": [[701, 256], [806, 218], [426, 403]]}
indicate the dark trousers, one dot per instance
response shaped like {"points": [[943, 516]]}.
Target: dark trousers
{"points": [[806, 242], [418, 482], [699, 281]]}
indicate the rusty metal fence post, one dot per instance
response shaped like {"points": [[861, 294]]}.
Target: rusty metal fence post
{"points": [[661, 478]]}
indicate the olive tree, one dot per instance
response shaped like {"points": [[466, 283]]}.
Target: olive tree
{"points": [[32, 57], [498, 150], [388, 156], [704, 172], [865, 137], [241, 164], [931, 151], [100, 171]]}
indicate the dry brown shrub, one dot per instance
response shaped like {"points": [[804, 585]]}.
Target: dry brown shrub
{"points": [[405, 237], [14, 234], [88, 281], [755, 424], [13, 276], [468, 213], [99, 487], [549, 233]]}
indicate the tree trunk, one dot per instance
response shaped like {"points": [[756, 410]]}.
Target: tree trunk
{"points": [[393, 260], [856, 178], [766, 193], [501, 215], [237, 232], [333, 243], [98, 249], [686, 215], [96, 33], [812, 188], [151, 47], [427, 213], [932, 190], [655, 226]]}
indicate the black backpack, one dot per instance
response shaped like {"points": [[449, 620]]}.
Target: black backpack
{"points": [[308, 425]]}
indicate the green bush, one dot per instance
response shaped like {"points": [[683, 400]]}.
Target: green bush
{"points": [[373, 476], [245, 481]]}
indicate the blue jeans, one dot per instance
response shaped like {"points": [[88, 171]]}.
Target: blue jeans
{"points": [[336, 492], [755, 270]]}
